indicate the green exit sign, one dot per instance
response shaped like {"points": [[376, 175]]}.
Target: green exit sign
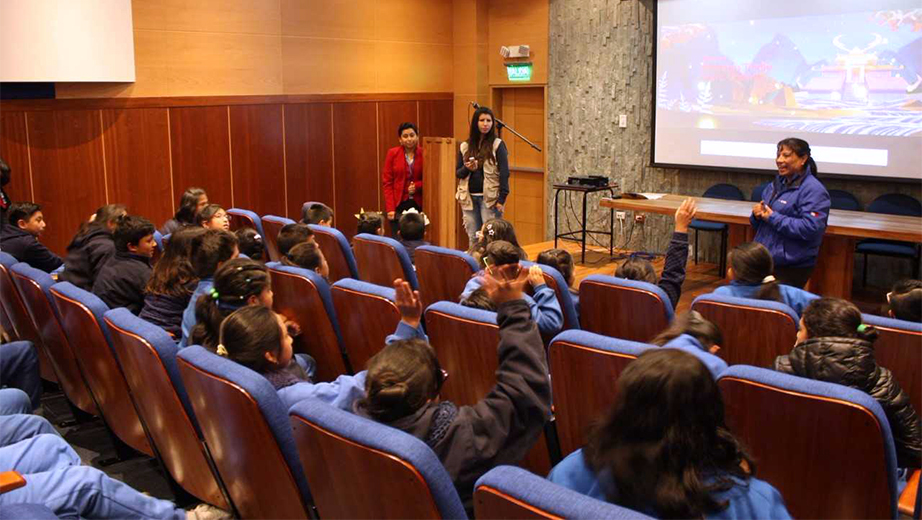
{"points": [[518, 71]]}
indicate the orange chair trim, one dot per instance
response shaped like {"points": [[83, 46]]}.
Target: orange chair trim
{"points": [[363, 294], [463, 320], [517, 502], [592, 349]]}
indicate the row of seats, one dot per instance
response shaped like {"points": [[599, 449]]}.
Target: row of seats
{"points": [[890, 203], [208, 419]]}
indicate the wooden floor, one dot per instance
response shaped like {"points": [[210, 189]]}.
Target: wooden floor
{"points": [[699, 279]]}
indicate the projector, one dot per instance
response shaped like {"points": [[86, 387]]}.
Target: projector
{"points": [[516, 51], [588, 180]]}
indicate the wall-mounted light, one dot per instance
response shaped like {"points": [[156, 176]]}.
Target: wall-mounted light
{"points": [[515, 51]]}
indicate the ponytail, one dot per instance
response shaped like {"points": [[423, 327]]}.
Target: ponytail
{"points": [[401, 379], [752, 264], [769, 290], [235, 282]]}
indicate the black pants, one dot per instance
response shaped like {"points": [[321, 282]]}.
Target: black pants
{"points": [[794, 276]]}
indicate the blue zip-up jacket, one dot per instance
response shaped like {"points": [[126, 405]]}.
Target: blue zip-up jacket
{"points": [[544, 307], [752, 498], [690, 344], [794, 232], [795, 298]]}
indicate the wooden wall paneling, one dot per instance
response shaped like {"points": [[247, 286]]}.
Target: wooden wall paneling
{"points": [[436, 118], [356, 177], [66, 148], [200, 148], [390, 115], [15, 151], [308, 155], [257, 158], [137, 152]]}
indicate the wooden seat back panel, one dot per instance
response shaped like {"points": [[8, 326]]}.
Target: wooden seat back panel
{"points": [[751, 335], [621, 312]]}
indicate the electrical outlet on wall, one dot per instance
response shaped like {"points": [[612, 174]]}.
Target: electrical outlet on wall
{"points": [[622, 121], [640, 218], [620, 215]]}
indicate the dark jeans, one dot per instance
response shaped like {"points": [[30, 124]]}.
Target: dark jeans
{"points": [[794, 276]]}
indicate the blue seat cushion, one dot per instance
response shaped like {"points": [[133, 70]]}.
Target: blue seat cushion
{"points": [[887, 247], [705, 225]]}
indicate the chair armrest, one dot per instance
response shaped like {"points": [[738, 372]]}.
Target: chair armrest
{"points": [[907, 501], [10, 480]]}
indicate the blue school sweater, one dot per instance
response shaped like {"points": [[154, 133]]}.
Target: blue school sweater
{"points": [[795, 298], [544, 307]]}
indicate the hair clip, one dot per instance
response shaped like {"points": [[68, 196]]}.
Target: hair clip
{"points": [[214, 293], [768, 279], [257, 237], [221, 350], [862, 327], [490, 230], [248, 280]]}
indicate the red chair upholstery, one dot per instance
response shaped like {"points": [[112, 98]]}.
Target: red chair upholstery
{"points": [[382, 260], [584, 370], [624, 309], [35, 288], [367, 315], [755, 332], [148, 356], [827, 448], [304, 297], [442, 273], [23, 327], [465, 341], [271, 227], [82, 320], [899, 348]]}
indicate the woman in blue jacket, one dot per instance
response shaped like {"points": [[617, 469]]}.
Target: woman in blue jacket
{"points": [[790, 220]]}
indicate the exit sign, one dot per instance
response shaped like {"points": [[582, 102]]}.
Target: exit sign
{"points": [[518, 71]]}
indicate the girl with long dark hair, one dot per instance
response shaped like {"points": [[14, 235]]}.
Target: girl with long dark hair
{"points": [[483, 173], [192, 201], [172, 282], [751, 272]]}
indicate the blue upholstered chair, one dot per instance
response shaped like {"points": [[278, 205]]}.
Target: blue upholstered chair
{"points": [[362, 469], [844, 200], [147, 355], [511, 492], [442, 273], [34, 287], [241, 218], [272, 224], [304, 297], [81, 315], [367, 314], [892, 204], [337, 251], [756, 195], [717, 191], [621, 308], [381, 260], [805, 436], [755, 332], [158, 238], [247, 429], [22, 325], [899, 348]]}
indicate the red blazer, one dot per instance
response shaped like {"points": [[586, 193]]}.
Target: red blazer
{"points": [[394, 178]]}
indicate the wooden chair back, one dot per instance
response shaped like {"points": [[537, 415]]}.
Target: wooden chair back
{"points": [[382, 260], [272, 224], [367, 315], [899, 348], [337, 252], [442, 273], [625, 309]]}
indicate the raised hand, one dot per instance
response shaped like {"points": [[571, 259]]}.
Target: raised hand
{"points": [[535, 276], [505, 283], [408, 303], [685, 214]]}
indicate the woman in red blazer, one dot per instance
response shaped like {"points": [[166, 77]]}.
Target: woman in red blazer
{"points": [[403, 172]]}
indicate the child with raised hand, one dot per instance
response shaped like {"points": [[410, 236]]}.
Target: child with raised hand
{"points": [[750, 268], [544, 307], [833, 345], [673, 277], [404, 379], [121, 281], [904, 301]]}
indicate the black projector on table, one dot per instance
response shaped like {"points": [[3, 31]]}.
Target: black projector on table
{"points": [[588, 180]]}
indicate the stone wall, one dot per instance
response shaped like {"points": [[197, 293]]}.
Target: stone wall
{"points": [[601, 65]]}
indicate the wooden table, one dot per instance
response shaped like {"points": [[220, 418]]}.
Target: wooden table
{"points": [[833, 275]]}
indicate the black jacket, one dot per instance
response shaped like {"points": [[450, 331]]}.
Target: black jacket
{"points": [[86, 255], [850, 362], [121, 282], [503, 426], [165, 311], [26, 248]]}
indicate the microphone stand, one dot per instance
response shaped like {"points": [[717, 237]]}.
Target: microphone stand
{"points": [[500, 125]]}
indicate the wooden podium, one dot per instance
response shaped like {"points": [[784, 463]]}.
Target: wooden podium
{"points": [[439, 203]]}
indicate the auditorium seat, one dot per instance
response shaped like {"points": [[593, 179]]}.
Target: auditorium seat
{"points": [[272, 224], [442, 273], [827, 448], [622, 308], [584, 369], [35, 288], [757, 192], [248, 432], [166, 241], [892, 204], [844, 200], [362, 469], [23, 328], [304, 297], [82, 320], [724, 192], [555, 281], [511, 492], [158, 251], [337, 251], [147, 355], [465, 341], [367, 314], [381, 260], [899, 348], [755, 332], [241, 218]]}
